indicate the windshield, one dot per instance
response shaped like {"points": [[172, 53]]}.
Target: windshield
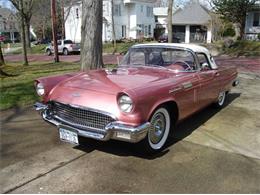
{"points": [[170, 58]]}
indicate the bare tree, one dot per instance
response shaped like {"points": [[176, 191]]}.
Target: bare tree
{"points": [[91, 34], [27, 15], [234, 11], [28, 11], [41, 18], [169, 19], [113, 26], [18, 4]]}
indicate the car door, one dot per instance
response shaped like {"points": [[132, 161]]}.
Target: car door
{"points": [[185, 88], [186, 94], [209, 81]]}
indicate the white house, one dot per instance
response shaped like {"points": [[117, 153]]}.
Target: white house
{"points": [[8, 24], [133, 19], [192, 23], [252, 27]]}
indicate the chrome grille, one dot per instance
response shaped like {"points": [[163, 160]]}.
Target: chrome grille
{"points": [[79, 117]]}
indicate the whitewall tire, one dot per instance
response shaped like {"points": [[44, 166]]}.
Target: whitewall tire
{"points": [[159, 131]]}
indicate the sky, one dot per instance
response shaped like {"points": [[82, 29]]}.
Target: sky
{"points": [[5, 3]]}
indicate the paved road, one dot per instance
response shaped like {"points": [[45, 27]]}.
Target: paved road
{"points": [[212, 152], [250, 64]]}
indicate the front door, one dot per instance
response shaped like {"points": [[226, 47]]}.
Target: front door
{"points": [[209, 82]]}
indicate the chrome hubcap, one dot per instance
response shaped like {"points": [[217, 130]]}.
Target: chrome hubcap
{"points": [[221, 98], [158, 128]]}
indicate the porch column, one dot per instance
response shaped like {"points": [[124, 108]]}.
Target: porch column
{"points": [[187, 34], [209, 33]]}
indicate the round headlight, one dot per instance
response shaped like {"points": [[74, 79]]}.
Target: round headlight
{"points": [[125, 103], [40, 89]]}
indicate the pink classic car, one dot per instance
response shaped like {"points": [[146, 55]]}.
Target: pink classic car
{"points": [[154, 87]]}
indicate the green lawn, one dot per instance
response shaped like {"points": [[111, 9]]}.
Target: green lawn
{"points": [[120, 47], [37, 49], [18, 90], [107, 48]]}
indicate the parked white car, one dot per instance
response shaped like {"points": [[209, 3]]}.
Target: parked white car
{"points": [[65, 47]]}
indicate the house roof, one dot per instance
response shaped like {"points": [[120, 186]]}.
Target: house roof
{"points": [[5, 12], [192, 13]]}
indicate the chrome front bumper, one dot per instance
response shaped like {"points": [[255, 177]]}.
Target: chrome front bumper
{"points": [[114, 130]]}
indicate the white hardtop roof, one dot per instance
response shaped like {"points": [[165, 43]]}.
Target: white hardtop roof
{"points": [[193, 47]]}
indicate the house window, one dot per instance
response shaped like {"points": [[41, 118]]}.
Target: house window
{"points": [[149, 11], [142, 8], [256, 21], [149, 30], [77, 13], [117, 10], [146, 31], [123, 31], [156, 18]]}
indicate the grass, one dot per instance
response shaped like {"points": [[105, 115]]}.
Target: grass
{"points": [[37, 49], [12, 45], [244, 48], [107, 48], [18, 90], [120, 47]]}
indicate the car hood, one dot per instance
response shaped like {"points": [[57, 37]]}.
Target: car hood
{"points": [[116, 80]]}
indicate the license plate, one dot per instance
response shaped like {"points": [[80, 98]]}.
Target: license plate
{"points": [[68, 136]]}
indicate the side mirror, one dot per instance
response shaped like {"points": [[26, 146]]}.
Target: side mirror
{"points": [[205, 66]]}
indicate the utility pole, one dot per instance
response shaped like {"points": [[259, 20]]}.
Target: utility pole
{"points": [[54, 30], [170, 5]]}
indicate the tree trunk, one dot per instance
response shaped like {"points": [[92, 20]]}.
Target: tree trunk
{"points": [[27, 34], [2, 61], [91, 34], [242, 28], [170, 5], [113, 27], [23, 35], [62, 20]]}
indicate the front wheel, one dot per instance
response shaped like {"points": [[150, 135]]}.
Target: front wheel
{"points": [[48, 52], [159, 131]]}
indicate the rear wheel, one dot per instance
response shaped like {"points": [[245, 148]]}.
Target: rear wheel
{"points": [[221, 99], [159, 131], [65, 51]]}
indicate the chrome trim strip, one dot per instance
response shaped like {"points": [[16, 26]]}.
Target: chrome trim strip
{"points": [[175, 89]]}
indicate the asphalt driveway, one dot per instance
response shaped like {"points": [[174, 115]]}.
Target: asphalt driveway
{"points": [[214, 151]]}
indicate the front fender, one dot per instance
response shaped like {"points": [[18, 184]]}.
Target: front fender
{"points": [[50, 82]]}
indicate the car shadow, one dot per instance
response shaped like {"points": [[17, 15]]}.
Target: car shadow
{"points": [[182, 130]]}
